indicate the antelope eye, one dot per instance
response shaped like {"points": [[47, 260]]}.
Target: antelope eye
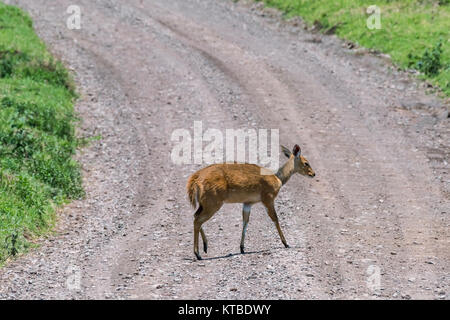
{"points": [[307, 164]]}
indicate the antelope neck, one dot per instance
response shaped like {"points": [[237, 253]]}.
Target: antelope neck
{"points": [[286, 171]]}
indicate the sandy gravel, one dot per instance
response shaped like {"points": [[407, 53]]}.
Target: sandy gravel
{"points": [[380, 202]]}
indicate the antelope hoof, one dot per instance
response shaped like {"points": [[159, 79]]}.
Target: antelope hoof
{"points": [[198, 256], [286, 245], [205, 247], [242, 250]]}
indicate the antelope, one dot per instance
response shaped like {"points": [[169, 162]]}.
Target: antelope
{"points": [[244, 183]]}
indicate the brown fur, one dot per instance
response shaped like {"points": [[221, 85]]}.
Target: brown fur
{"points": [[231, 183], [192, 189]]}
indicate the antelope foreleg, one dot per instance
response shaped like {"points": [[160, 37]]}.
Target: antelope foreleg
{"points": [[273, 215]]}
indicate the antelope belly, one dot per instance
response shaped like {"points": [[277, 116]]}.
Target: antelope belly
{"points": [[239, 197]]}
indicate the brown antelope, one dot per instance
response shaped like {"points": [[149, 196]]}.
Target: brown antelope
{"points": [[244, 183]]}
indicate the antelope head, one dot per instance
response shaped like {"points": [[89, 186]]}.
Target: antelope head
{"points": [[301, 164]]}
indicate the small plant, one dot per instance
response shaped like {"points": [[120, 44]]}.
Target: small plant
{"points": [[9, 59], [12, 243], [430, 62]]}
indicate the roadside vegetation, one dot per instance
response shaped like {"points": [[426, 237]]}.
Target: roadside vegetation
{"points": [[415, 33], [37, 135]]}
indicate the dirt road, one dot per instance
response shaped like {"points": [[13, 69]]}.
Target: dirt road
{"points": [[373, 223]]}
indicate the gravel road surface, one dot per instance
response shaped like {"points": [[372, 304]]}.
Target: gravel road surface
{"points": [[373, 223]]}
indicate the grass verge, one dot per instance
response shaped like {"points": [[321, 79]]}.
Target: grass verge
{"points": [[37, 135], [415, 33]]}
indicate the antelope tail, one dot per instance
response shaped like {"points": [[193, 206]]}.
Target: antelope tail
{"points": [[192, 190]]}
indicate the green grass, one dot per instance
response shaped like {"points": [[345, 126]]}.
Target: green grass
{"points": [[408, 29], [37, 135]]}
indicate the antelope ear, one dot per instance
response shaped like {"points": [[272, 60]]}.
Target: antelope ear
{"points": [[286, 151], [296, 151]]}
